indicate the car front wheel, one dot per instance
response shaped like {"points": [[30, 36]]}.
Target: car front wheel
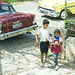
{"points": [[63, 15]]}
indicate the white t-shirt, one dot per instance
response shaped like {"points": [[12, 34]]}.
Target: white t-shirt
{"points": [[44, 33]]}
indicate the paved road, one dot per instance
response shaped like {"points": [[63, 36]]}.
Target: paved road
{"points": [[44, 71], [18, 51]]}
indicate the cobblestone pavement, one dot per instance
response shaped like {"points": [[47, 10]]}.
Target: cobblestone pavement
{"points": [[19, 53]]}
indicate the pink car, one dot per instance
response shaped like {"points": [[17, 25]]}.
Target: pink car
{"points": [[14, 23]]}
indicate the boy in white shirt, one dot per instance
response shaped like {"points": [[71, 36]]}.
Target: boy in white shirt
{"points": [[44, 33]]}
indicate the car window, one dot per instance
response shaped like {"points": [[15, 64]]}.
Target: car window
{"points": [[12, 9], [6, 9]]}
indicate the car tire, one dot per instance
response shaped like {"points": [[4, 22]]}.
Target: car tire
{"points": [[63, 15]]}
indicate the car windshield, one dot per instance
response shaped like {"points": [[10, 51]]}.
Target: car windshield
{"points": [[6, 9]]}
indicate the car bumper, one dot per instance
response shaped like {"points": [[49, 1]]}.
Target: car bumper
{"points": [[48, 12], [17, 32]]}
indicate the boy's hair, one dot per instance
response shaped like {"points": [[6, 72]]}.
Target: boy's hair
{"points": [[45, 21], [56, 31]]}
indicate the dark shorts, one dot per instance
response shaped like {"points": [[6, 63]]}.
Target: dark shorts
{"points": [[44, 47]]}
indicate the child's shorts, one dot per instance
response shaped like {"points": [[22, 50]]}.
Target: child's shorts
{"points": [[44, 47]]}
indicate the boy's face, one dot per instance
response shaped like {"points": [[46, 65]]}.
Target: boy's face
{"points": [[57, 34], [45, 26]]}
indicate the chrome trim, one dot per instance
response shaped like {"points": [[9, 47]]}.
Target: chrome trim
{"points": [[48, 12], [17, 32]]}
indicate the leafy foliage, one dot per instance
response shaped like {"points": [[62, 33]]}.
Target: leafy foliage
{"points": [[70, 24]]}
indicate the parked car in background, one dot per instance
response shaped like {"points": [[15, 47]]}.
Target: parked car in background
{"points": [[14, 23], [56, 8]]}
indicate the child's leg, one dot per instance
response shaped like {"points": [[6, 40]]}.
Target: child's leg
{"points": [[45, 55], [42, 51], [56, 58], [42, 57]]}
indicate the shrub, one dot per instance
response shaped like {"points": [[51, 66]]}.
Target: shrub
{"points": [[70, 26]]}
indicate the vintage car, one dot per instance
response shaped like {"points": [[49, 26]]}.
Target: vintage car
{"points": [[56, 8], [14, 23]]}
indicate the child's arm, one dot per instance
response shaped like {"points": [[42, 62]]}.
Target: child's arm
{"points": [[51, 40], [56, 44], [37, 43], [53, 43], [61, 41]]}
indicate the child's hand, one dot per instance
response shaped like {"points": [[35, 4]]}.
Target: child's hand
{"points": [[58, 44], [37, 43], [46, 39], [55, 44]]}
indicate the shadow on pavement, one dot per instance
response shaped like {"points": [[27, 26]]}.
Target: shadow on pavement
{"points": [[51, 18], [70, 16], [17, 42], [22, 44]]}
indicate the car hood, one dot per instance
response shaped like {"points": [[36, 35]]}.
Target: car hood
{"points": [[50, 3]]}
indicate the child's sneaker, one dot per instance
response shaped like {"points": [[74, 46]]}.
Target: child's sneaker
{"points": [[41, 64], [57, 67], [53, 64]]}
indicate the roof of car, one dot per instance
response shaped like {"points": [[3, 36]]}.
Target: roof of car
{"points": [[3, 2]]}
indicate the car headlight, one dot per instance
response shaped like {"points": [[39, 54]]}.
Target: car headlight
{"points": [[53, 6]]}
